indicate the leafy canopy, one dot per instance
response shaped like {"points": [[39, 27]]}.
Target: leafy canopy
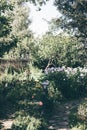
{"points": [[74, 16]]}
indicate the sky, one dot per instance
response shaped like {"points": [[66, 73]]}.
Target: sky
{"points": [[39, 26]]}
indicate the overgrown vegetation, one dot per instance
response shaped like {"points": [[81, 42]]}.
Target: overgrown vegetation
{"points": [[54, 68], [70, 82], [78, 116]]}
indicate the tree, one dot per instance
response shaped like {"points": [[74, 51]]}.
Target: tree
{"points": [[74, 16], [14, 27], [20, 28], [7, 40], [57, 51]]}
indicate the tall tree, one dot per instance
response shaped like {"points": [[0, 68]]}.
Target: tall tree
{"points": [[74, 16], [18, 26], [7, 40], [58, 50]]}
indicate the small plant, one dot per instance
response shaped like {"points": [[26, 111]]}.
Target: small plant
{"points": [[82, 111], [26, 122], [78, 117]]}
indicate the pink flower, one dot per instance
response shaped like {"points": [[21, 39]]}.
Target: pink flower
{"points": [[33, 97], [40, 103]]}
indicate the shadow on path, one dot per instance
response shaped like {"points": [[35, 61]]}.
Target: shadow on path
{"points": [[6, 115], [60, 118]]}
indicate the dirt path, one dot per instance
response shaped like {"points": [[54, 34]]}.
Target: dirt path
{"points": [[60, 118], [6, 124], [6, 115]]}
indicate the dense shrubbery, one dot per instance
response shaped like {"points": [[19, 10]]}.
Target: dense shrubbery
{"points": [[21, 86], [70, 82], [78, 116], [82, 111], [34, 93], [58, 50], [26, 95], [25, 122], [15, 87]]}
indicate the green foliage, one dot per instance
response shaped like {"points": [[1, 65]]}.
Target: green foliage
{"points": [[74, 16], [78, 116], [14, 25], [35, 73], [53, 92], [82, 111], [71, 83], [25, 122], [25, 92], [16, 87], [20, 28], [24, 88], [7, 39], [26, 95], [5, 27], [58, 50]]}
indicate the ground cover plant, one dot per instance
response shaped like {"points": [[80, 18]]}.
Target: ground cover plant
{"points": [[78, 116]]}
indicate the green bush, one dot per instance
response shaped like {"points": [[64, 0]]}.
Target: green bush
{"points": [[25, 94], [82, 111], [28, 95], [26, 122], [71, 83], [19, 87], [78, 116]]}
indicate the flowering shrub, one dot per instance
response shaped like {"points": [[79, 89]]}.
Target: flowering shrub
{"points": [[25, 94], [68, 70], [71, 82], [40, 103]]}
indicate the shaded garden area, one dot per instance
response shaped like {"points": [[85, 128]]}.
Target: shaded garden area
{"points": [[43, 80]]}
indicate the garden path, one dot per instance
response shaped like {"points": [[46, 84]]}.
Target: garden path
{"points": [[60, 118], [6, 124], [6, 115]]}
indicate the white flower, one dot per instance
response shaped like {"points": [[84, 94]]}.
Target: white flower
{"points": [[82, 75]]}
